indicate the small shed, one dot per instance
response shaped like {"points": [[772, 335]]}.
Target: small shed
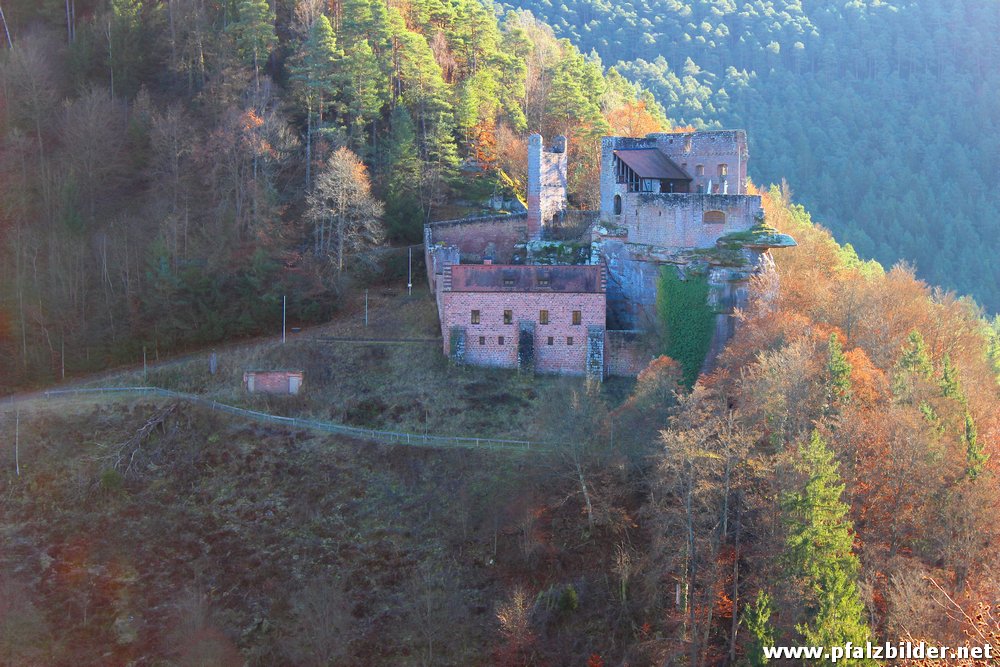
{"points": [[273, 382]]}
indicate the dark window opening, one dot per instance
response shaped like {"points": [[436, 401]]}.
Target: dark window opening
{"points": [[714, 217], [577, 317], [618, 204], [699, 170], [482, 340], [508, 282], [499, 340], [508, 317], [551, 340], [475, 317], [569, 340]]}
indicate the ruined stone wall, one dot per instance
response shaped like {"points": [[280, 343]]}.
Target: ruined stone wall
{"points": [[546, 187], [477, 237], [709, 149], [559, 346], [677, 220], [627, 352]]}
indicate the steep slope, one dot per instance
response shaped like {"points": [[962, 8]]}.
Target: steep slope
{"points": [[877, 113]]}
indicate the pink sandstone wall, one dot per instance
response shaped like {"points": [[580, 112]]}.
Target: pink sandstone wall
{"points": [[271, 382], [560, 357], [473, 236], [677, 220]]}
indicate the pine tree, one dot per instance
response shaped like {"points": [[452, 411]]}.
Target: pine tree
{"points": [[403, 213], [365, 89], [915, 358], [818, 552], [837, 375], [913, 367], [253, 31], [315, 72], [950, 387], [757, 619], [976, 455]]}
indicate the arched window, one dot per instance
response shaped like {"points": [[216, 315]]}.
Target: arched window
{"points": [[618, 204], [714, 218]]}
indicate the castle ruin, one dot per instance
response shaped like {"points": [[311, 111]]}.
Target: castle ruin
{"points": [[511, 294]]}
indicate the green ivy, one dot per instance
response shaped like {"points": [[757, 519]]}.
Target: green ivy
{"points": [[688, 320]]}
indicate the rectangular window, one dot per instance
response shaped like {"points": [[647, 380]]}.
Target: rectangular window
{"points": [[475, 317], [499, 340], [723, 170], [543, 282], [482, 340], [508, 317], [508, 282], [699, 170], [577, 317], [551, 340], [543, 317], [569, 340]]}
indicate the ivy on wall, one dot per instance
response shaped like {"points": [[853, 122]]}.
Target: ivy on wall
{"points": [[688, 320]]}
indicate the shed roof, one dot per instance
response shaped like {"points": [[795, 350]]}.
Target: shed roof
{"points": [[652, 163]]}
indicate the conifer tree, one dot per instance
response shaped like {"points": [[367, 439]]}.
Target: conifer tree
{"points": [[950, 387], [757, 619], [975, 453], [316, 73], [253, 31], [914, 366], [365, 89], [915, 358], [838, 375], [403, 213], [818, 552]]}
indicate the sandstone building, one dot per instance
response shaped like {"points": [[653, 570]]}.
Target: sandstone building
{"points": [[514, 291]]}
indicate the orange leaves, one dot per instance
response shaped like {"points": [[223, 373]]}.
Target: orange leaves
{"points": [[632, 120], [869, 385]]}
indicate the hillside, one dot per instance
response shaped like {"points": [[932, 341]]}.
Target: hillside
{"points": [[876, 113], [170, 171], [210, 538]]}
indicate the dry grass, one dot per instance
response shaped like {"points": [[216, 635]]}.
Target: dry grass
{"points": [[407, 387]]}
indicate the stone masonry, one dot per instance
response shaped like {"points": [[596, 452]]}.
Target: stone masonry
{"points": [[512, 293], [493, 304], [546, 183]]}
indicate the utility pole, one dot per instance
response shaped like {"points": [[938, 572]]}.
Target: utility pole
{"points": [[284, 308], [409, 272], [10, 44], [62, 356], [366, 308], [144, 364], [17, 439]]}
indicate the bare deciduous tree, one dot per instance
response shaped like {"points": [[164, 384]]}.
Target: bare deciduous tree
{"points": [[345, 215]]}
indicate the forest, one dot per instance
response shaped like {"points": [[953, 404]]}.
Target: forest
{"points": [[170, 170], [834, 479], [878, 114]]}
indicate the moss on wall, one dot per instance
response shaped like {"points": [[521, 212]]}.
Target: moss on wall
{"points": [[688, 320]]}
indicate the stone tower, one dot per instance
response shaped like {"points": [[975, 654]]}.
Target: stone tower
{"points": [[546, 183]]}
